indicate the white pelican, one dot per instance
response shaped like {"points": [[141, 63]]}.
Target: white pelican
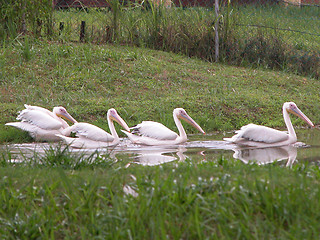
{"points": [[91, 136], [154, 133], [42, 124], [261, 136]]}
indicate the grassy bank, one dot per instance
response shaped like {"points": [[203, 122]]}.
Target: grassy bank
{"points": [[272, 36], [269, 35], [62, 196], [143, 84], [214, 199]]}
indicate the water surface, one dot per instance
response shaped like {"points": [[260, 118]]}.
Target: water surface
{"points": [[198, 148]]}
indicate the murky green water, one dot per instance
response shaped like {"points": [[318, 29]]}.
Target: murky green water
{"points": [[198, 148]]}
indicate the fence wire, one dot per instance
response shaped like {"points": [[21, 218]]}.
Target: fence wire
{"points": [[299, 24], [247, 28]]}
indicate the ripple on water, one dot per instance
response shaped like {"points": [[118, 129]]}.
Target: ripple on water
{"points": [[194, 150]]}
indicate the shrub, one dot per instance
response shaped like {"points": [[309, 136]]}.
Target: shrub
{"points": [[15, 16]]}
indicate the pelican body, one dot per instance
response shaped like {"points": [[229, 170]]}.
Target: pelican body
{"points": [[154, 133], [91, 136], [42, 124], [261, 136]]}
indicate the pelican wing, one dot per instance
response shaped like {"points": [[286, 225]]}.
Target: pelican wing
{"points": [[39, 134], [46, 111], [154, 130], [37, 108], [92, 132], [32, 129], [84, 142], [257, 133], [40, 119]]}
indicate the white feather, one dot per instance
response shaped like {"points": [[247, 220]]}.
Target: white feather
{"points": [[92, 132], [258, 133], [37, 108], [261, 136], [83, 142], [40, 119], [42, 124], [24, 126], [37, 133], [155, 130]]}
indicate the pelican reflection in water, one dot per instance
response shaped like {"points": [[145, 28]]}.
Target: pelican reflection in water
{"points": [[157, 156], [263, 156]]}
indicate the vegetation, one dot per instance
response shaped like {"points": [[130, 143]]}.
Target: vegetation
{"points": [[100, 198], [249, 35], [271, 36], [22, 16], [144, 84], [59, 194]]}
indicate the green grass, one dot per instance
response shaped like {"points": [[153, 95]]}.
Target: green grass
{"points": [[305, 19], [271, 36], [144, 84], [190, 31], [138, 21], [61, 195], [216, 199]]}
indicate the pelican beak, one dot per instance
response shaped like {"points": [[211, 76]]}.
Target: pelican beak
{"points": [[67, 116], [296, 111], [119, 120], [189, 120]]}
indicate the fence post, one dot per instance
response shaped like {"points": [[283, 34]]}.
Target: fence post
{"points": [[82, 31], [61, 27], [23, 17], [216, 26]]}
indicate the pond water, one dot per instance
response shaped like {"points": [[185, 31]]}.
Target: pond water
{"points": [[198, 148]]}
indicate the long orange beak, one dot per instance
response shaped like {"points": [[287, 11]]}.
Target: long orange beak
{"points": [[296, 111], [119, 120], [67, 116], [189, 120]]}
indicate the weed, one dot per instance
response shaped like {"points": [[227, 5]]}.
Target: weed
{"points": [[190, 32], [219, 197]]}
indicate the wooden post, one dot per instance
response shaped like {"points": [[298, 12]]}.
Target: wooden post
{"points": [[216, 27], [23, 18], [39, 27], [108, 34], [61, 27], [82, 31]]}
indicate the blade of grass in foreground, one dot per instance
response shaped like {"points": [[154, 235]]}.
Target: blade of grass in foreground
{"points": [[220, 198]]}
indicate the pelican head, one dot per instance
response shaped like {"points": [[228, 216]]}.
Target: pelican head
{"points": [[62, 112], [291, 107], [114, 116], [182, 114]]}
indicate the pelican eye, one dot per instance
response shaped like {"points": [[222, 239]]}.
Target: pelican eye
{"points": [[292, 106]]}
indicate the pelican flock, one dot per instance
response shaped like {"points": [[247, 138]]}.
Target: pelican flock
{"points": [[42, 124], [261, 136], [91, 136], [154, 133]]}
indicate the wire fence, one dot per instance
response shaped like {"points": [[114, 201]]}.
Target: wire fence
{"points": [[249, 30], [304, 17]]}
